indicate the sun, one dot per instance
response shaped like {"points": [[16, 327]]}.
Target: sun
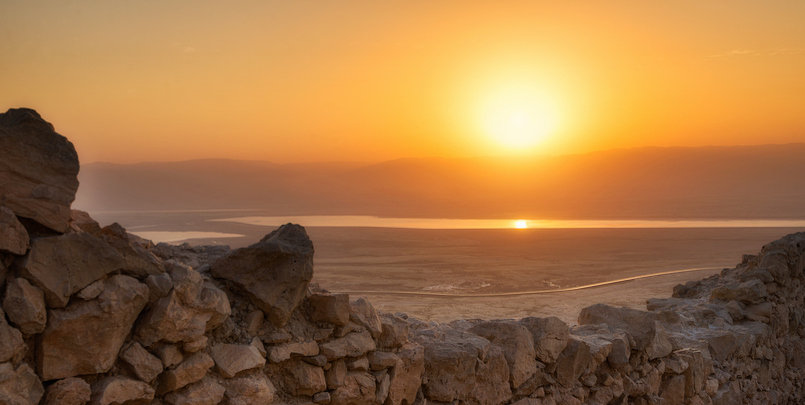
{"points": [[518, 118], [520, 224]]}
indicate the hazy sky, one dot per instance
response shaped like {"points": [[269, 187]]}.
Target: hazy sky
{"points": [[297, 80]]}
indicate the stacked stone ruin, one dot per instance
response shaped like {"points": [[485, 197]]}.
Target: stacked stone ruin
{"points": [[96, 315]]}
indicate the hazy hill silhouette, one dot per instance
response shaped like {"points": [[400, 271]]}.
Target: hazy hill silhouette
{"points": [[765, 181]]}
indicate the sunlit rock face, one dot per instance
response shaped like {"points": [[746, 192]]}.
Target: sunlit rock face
{"points": [[38, 169], [98, 316]]}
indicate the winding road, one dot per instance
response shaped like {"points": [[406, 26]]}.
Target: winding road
{"points": [[517, 293]]}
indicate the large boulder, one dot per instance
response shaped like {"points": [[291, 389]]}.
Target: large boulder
{"points": [[550, 336], [86, 336], [254, 389], [644, 327], [274, 272], [231, 359], [204, 392], [13, 236], [38, 169], [191, 308], [70, 391], [121, 390], [137, 261], [63, 265], [517, 344], [406, 375], [25, 306], [20, 385], [12, 347]]}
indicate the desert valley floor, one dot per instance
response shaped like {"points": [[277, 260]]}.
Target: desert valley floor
{"points": [[466, 273]]}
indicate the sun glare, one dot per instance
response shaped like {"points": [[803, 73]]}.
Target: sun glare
{"points": [[520, 224], [518, 118]]}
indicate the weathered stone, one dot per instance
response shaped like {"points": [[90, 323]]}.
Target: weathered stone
{"points": [[80, 221], [642, 326], [254, 389], [195, 345], [358, 389], [332, 308], [121, 390], [138, 262], [70, 391], [573, 361], [189, 371], [12, 347], [13, 236], [258, 344], [86, 336], [322, 398], [145, 365], [405, 377], [280, 353], [318, 360], [253, 321], [353, 345], [159, 284], [382, 360], [747, 292], [20, 385], [63, 265], [190, 309], [466, 367], [39, 170], [359, 364], [395, 331], [25, 306], [760, 312], [274, 272], [363, 313], [673, 390], [550, 337], [170, 354], [336, 375], [382, 387], [91, 291], [517, 344], [232, 359], [204, 392], [306, 379]]}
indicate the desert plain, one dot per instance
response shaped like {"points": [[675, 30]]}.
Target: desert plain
{"points": [[447, 274]]}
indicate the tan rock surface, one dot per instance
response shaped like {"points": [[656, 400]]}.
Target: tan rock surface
{"points": [[25, 306]]}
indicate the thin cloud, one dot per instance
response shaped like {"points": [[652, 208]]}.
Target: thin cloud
{"points": [[765, 52]]}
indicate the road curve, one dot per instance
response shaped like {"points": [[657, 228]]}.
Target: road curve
{"points": [[516, 293]]}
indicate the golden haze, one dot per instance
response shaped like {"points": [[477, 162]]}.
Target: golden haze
{"points": [[370, 81]]}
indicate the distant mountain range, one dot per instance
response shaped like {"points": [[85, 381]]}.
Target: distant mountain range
{"points": [[748, 182]]}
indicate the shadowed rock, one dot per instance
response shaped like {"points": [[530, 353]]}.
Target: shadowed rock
{"points": [[38, 169], [13, 236], [274, 272]]}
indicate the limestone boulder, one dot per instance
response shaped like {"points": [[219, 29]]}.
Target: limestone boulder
{"points": [[38, 169], [395, 331], [274, 272], [644, 327], [382, 360], [355, 344], [306, 379], [550, 336], [19, 386], [142, 363], [13, 236], [253, 389], [12, 347], [517, 344], [25, 306], [283, 352], [574, 360], [191, 308], [747, 292], [231, 359], [358, 389], [138, 262], [193, 369], [63, 265], [405, 377], [463, 366], [70, 391], [121, 390], [80, 221], [363, 313], [86, 336], [332, 308], [204, 392]]}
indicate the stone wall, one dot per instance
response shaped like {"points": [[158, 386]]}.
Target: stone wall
{"points": [[96, 315]]}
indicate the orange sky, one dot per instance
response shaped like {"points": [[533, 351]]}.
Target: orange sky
{"points": [[374, 80]]}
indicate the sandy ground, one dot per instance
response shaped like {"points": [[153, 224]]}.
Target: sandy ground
{"points": [[374, 262]]}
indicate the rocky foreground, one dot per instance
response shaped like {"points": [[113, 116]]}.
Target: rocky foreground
{"points": [[96, 315]]}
